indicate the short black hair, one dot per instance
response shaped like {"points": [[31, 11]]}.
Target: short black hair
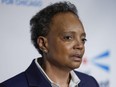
{"points": [[41, 21]]}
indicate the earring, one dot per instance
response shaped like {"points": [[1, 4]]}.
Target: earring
{"points": [[45, 51]]}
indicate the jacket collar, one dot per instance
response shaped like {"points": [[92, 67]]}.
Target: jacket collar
{"points": [[35, 77]]}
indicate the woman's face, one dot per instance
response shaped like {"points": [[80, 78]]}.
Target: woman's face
{"points": [[65, 41]]}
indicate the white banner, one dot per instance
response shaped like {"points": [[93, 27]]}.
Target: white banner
{"points": [[98, 17]]}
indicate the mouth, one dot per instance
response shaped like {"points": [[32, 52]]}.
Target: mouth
{"points": [[76, 57]]}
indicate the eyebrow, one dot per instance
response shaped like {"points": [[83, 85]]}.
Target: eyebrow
{"points": [[84, 34]]}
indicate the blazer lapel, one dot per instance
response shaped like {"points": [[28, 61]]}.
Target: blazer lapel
{"points": [[35, 78]]}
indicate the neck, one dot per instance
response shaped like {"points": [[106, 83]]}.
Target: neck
{"points": [[57, 75]]}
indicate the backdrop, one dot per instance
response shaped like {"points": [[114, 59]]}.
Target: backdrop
{"points": [[98, 17]]}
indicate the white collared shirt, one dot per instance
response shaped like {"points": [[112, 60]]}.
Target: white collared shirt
{"points": [[73, 82]]}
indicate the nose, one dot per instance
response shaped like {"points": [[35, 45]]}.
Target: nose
{"points": [[78, 44]]}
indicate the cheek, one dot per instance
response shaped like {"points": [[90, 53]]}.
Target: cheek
{"points": [[60, 50], [83, 49], [64, 47], [58, 53]]}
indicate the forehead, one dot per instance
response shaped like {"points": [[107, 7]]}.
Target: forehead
{"points": [[67, 21]]}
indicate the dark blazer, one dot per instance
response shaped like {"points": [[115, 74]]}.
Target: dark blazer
{"points": [[32, 77]]}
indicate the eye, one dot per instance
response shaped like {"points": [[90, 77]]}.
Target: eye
{"points": [[68, 37], [84, 40]]}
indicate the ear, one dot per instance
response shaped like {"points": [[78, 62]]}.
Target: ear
{"points": [[43, 44]]}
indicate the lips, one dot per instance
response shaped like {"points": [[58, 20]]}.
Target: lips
{"points": [[76, 57]]}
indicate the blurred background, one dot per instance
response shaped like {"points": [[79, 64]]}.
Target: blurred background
{"points": [[98, 18]]}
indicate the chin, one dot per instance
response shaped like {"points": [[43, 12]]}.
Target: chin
{"points": [[75, 66]]}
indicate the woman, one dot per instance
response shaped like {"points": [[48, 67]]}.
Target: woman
{"points": [[58, 35]]}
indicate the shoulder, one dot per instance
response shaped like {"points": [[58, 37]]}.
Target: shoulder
{"points": [[87, 80], [16, 81], [83, 76]]}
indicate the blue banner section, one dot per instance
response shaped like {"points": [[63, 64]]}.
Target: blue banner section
{"points": [[101, 56], [22, 2]]}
